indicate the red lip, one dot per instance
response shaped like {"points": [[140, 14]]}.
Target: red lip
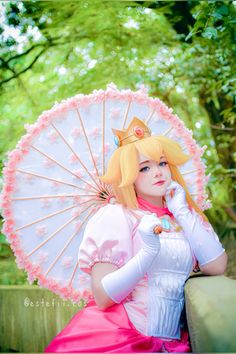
{"points": [[159, 183]]}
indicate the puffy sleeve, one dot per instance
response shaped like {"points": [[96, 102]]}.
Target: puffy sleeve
{"points": [[107, 238]]}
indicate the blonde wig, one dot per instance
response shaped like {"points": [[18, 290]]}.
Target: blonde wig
{"points": [[123, 167]]}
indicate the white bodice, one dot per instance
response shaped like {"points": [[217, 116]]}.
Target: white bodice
{"points": [[161, 294], [157, 301]]}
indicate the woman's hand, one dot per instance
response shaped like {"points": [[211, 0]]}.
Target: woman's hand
{"points": [[175, 198], [146, 230], [118, 284]]}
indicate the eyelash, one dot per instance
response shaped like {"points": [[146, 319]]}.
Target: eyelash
{"points": [[160, 164]]}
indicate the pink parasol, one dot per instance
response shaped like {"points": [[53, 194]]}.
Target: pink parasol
{"points": [[51, 180]]}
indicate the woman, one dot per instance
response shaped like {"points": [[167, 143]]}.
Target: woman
{"points": [[140, 252]]}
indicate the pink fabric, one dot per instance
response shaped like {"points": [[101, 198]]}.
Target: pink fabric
{"points": [[97, 331], [159, 211], [107, 238]]}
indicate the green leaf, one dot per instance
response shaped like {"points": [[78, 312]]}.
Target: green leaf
{"points": [[210, 33], [217, 15], [223, 10]]}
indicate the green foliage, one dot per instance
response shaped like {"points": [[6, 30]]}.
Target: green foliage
{"points": [[10, 274], [184, 52]]}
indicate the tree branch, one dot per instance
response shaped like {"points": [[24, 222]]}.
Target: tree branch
{"points": [[24, 70], [24, 53], [217, 127], [46, 44], [231, 213]]}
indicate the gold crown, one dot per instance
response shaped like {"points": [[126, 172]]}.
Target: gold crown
{"points": [[136, 130]]}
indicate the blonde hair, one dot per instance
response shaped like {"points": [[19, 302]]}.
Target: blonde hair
{"points": [[123, 167]]}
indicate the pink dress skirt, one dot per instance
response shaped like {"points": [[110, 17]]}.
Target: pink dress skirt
{"points": [[93, 330]]}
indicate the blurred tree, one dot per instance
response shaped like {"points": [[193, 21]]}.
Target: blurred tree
{"points": [[206, 66], [183, 51]]}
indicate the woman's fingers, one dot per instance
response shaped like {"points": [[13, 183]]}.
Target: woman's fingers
{"points": [[171, 189], [148, 223]]}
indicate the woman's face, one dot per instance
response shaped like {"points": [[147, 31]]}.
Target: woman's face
{"points": [[153, 178]]}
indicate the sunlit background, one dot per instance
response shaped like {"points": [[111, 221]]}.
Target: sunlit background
{"points": [[182, 51]]}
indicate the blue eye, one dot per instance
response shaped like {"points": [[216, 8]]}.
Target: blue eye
{"points": [[144, 169], [163, 164]]}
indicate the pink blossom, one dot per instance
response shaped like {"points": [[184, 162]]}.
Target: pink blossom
{"points": [[62, 199], [87, 295], [10, 178], [76, 212], [45, 118], [53, 285], [24, 142], [115, 113], [27, 264], [42, 280], [36, 130], [42, 257], [15, 155], [18, 252], [46, 202], [5, 204], [56, 184], [53, 136], [7, 227], [11, 164], [107, 148], [85, 101], [41, 125], [67, 262], [14, 241], [7, 213], [13, 237], [20, 263], [48, 163], [73, 159], [77, 199], [65, 292], [76, 297], [76, 133], [7, 172], [200, 173], [95, 132], [41, 230], [29, 178], [78, 173], [9, 188]]}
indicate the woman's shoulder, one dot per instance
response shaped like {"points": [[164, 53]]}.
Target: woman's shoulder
{"points": [[115, 212]]}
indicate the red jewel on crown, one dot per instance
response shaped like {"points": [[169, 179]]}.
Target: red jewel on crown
{"points": [[138, 132]]}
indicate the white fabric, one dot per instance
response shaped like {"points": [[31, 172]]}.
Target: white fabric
{"points": [[166, 282], [120, 283], [202, 238], [168, 274]]}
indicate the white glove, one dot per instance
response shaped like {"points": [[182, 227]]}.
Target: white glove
{"points": [[121, 282], [204, 242]]}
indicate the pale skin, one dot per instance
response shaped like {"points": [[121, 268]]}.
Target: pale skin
{"points": [[150, 172]]}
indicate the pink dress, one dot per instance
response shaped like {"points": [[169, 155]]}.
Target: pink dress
{"points": [[149, 319]]}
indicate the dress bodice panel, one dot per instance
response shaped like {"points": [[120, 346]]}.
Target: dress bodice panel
{"points": [[111, 236], [159, 297], [166, 280]]}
